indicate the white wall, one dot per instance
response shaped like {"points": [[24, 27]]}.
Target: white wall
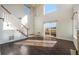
{"points": [[31, 22], [39, 10], [63, 17]]}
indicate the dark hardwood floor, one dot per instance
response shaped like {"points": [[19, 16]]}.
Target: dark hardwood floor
{"points": [[62, 47]]}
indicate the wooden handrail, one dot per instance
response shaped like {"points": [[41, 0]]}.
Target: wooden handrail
{"points": [[21, 32], [5, 9], [25, 28]]}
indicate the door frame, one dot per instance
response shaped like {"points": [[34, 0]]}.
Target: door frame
{"points": [[49, 22]]}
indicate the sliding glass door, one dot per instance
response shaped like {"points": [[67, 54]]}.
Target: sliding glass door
{"points": [[50, 29]]}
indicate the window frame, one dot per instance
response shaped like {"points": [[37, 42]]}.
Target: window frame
{"points": [[44, 7]]}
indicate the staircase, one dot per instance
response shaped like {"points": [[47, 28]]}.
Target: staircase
{"points": [[16, 22]]}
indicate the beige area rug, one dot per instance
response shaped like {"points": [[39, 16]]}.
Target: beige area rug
{"points": [[44, 43]]}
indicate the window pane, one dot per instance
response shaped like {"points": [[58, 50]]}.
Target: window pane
{"points": [[48, 8], [24, 20], [6, 24]]}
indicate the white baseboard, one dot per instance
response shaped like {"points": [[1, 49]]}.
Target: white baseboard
{"points": [[65, 39]]}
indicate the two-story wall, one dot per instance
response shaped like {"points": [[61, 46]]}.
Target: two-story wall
{"points": [[63, 17]]}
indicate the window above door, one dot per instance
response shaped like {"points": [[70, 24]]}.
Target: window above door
{"points": [[49, 8]]}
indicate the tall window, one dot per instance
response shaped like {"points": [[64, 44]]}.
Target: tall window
{"points": [[24, 20], [48, 8], [6, 24]]}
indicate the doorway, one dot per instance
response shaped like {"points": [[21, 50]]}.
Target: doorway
{"points": [[49, 29]]}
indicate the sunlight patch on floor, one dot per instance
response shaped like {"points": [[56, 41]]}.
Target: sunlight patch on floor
{"points": [[38, 43]]}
